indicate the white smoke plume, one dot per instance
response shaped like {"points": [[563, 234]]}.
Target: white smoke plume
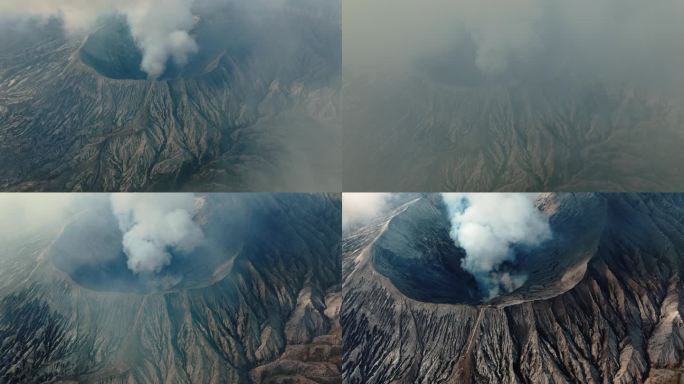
{"points": [[161, 31], [487, 226], [160, 27], [360, 208], [154, 226]]}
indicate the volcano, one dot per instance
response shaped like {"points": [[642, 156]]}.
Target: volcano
{"points": [[255, 108], [601, 302], [256, 302]]}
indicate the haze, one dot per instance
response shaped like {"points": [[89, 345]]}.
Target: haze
{"points": [[521, 95]]}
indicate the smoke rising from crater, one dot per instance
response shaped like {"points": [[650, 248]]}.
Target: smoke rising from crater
{"points": [[154, 226], [159, 27], [488, 226], [161, 31]]}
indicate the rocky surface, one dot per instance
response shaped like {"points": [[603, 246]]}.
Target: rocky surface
{"points": [[273, 317], [613, 315], [421, 133], [256, 109]]}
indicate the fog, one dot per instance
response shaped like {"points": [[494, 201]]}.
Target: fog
{"points": [[22, 213], [513, 96], [360, 208], [620, 40]]}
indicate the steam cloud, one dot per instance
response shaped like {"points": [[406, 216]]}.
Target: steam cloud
{"points": [[487, 226], [159, 27], [154, 226]]}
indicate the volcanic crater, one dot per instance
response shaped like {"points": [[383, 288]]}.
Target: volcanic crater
{"points": [[90, 250], [416, 253]]}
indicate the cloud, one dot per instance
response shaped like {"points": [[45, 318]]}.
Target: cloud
{"points": [[155, 226], [487, 226], [360, 208], [159, 27], [28, 211], [620, 40]]}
